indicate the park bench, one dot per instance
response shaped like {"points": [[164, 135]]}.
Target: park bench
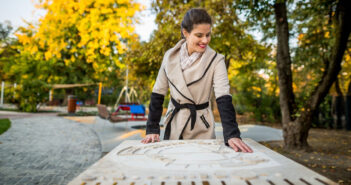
{"points": [[105, 114]]}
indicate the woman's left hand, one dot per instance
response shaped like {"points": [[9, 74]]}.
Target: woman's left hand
{"points": [[237, 144]]}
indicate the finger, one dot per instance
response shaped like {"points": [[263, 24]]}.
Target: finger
{"points": [[158, 138], [244, 146], [231, 144], [152, 138], [250, 149], [241, 146], [147, 140], [247, 147], [242, 149]]}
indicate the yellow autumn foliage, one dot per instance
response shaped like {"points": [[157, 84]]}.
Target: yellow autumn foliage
{"points": [[96, 31]]}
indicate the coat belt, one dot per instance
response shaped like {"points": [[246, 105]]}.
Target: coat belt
{"points": [[177, 106]]}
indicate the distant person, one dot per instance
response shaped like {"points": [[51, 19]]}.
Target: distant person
{"points": [[191, 69]]}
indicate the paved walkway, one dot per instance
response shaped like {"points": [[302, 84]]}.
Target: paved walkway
{"points": [[112, 134], [261, 133], [43, 149], [18, 115], [46, 150]]}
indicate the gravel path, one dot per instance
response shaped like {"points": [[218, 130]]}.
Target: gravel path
{"points": [[46, 150], [19, 115]]}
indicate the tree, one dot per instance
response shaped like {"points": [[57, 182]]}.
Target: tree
{"points": [[7, 49], [245, 58], [84, 41], [296, 129], [75, 42], [297, 117]]}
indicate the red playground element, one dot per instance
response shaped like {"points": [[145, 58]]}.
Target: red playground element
{"points": [[134, 110], [123, 107]]}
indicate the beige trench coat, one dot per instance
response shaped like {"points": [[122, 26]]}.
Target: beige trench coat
{"points": [[193, 85]]}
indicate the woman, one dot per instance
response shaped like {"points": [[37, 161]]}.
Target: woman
{"points": [[191, 69]]}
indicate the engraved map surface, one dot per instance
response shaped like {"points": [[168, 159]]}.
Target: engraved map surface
{"points": [[191, 155], [195, 162]]}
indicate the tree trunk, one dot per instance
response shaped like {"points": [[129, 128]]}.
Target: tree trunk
{"points": [[348, 108], [342, 33], [286, 95], [338, 105], [295, 131]]}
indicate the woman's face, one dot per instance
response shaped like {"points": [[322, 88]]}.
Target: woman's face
{"points": [[198, 39]]}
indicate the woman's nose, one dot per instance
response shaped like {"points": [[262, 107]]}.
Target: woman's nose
{"points": [[205, 40]]}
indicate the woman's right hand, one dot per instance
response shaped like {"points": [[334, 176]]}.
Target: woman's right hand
{"points": [[151, 138]]}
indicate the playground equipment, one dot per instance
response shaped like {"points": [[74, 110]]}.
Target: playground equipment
{"points": [[127, 111], [131, 105], [130, 109]]}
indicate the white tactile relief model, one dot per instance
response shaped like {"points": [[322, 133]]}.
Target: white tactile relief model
{"points": [[195, 162]]}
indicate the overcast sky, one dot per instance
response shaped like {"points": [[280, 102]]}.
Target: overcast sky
{"points": [[16, 11]]}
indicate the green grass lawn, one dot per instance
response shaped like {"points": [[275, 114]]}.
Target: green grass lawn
{"points": [[5, 124], [80, 113], [16, 110]]}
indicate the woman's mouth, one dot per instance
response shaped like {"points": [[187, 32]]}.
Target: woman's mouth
{"points": [[202, 45]]}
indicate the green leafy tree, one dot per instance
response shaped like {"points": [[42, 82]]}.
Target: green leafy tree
{"points": [[75, 42], [7, 50], [324, 33]]}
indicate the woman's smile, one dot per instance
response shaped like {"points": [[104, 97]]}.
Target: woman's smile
{"points": [[202, 45]]}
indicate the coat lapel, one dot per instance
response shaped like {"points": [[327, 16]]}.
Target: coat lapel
{"points": [[175, 74], [197, 70]]}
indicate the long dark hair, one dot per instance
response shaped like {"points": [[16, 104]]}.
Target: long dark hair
{"points": [[194, 16]]}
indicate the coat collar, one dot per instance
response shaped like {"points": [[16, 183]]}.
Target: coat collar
{"points": [[175, 73]]}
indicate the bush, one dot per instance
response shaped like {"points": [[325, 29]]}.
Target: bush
{"points": [[31, 94], [323, 117], [264, 107]]}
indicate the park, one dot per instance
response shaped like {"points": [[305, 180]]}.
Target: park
{"points": [[84, 83]]}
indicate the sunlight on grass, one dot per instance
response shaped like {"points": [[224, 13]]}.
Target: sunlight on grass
{"points": [[5, 124]]}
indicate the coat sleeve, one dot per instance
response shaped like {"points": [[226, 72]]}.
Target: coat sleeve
{"points": [[224, 102], [220, 79], [161, 84], [159, 91]]}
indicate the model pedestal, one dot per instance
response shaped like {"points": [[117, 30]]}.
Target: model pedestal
{"points": [[195, 162]]}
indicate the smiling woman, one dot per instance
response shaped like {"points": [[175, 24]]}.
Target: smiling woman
{"points": [[191, 69]]}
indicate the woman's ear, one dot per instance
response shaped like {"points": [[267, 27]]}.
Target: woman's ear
{"points": [[185, 33]]}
